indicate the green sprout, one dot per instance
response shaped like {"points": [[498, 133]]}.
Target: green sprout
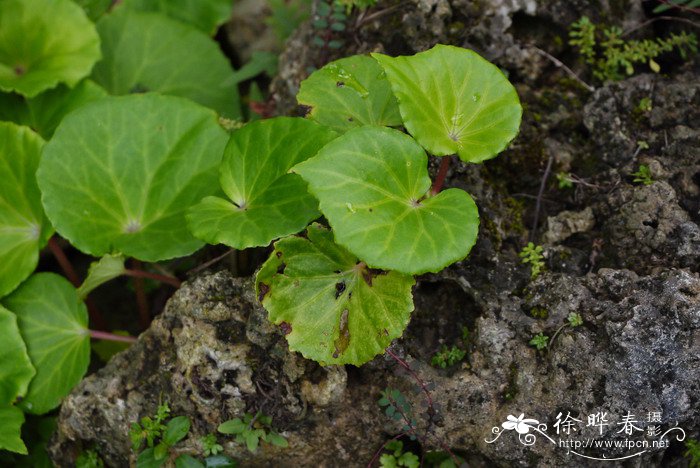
{"points": [[564, 180], [448, 356], [575, 319], [539, 341], [644, 104], [251, 429], [210, 446], [532, 255], [643, 175], [150, 428], [397, 457]]}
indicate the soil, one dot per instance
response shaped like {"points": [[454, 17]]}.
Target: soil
{"points": [[623, 255]]}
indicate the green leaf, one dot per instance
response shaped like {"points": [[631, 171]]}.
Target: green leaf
{"points": [[371, 184], [12, 419], [44, 43], [265, 201], [44, 112], [260, 62], [233, 426], [276, 439], [349, 93], [147, 459], [160, 451], [252, 440], [106, 268], [16, 370], [24, 229], [387, 461], [338, 311], [205, 15], [132, 165], [150, 52], [186, 461], [94, 8], [454, 101], [53, 323], [409, 460], [176, 430]]}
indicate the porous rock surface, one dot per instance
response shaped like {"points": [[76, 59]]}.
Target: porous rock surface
{"points": [[623, 255]]}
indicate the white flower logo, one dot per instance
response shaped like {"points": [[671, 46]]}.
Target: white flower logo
{"points": [[520, 424]]}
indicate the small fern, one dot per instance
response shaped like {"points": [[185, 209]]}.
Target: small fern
{"points": [[614, 58]]}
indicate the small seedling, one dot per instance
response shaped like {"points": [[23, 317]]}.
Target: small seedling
{"points": [[644, 104], [642, 145], [448, 356], [643, 175], [564, 180], [150, 428], [89, 459], [158, 435], [575, 320], [209, 445], [539, 341], [397, 457], [252, 429], [532, 255]]}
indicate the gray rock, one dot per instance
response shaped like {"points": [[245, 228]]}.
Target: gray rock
{"points": [[637, 351], [567, 223]]}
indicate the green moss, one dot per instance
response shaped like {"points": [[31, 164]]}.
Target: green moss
{"points": [[539, 313], [512, 388]]}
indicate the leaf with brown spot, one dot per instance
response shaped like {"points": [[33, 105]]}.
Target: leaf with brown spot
{"points": [[334, 315]]}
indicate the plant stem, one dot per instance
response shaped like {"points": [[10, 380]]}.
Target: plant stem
{"points": [[63, 262], [100, 335], [538, 205], [138, 273], [558, 63], [442, 173], [431, 407], [660, 18], [209, 263], [140, 290], [381, 449]]}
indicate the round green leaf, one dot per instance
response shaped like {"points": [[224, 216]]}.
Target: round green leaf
{"points": [[150, 52], [53, 323], [120, 173], [206, 15], [265, 201], [44, 112], [371, 184], [454, 101], [333, 308], [349, 93], [43, 43], [23, 227], [16, 370], [10, 430]]}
